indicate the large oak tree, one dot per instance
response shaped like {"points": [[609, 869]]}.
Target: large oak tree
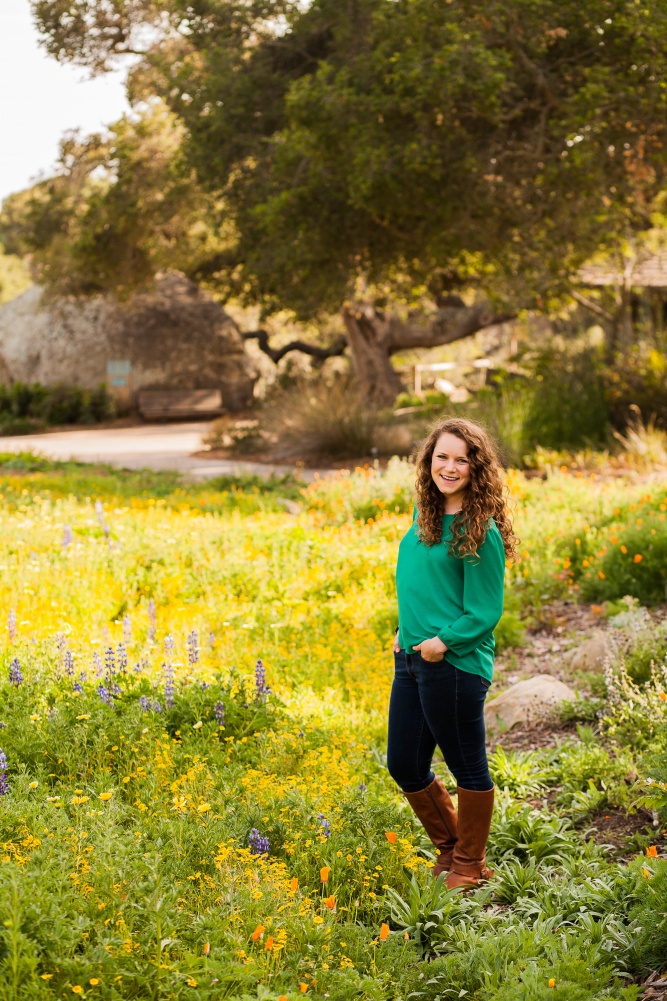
{"points": [[366, 145]]}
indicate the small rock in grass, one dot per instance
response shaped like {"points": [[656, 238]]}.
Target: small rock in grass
{"points": [[526, 702]]}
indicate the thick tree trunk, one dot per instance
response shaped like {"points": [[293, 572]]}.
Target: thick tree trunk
{"points": [[373, 336], [369, 339]]}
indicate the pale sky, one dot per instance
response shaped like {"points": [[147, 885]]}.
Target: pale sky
{"points": [[40, 99]]}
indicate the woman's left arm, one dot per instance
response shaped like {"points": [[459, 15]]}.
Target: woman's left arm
{"points": [[483, 592]]}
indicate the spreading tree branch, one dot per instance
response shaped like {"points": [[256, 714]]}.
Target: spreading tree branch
{"points": [[593, 306], [275, 354]]}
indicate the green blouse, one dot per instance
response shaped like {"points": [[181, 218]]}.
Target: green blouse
{"points": [[460, 600]]}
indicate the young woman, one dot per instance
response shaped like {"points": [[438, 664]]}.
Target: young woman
{"points": [[449, 579]]}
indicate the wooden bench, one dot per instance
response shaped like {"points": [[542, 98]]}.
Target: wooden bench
{"points": [[163, 404]]}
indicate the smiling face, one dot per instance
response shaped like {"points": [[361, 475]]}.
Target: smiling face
{"points": [[450, 470]]}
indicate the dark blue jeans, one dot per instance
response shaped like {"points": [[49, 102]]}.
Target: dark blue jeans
{"points": [[436, 704]]}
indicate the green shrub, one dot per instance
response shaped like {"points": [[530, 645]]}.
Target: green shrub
{"points": [[621, 552], [639, 379], [25, 408], [640, 571], [509, 632], [20, 425], [503, 411], [568, 406]]}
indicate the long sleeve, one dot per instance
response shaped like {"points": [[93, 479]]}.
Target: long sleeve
{"points": [[483, 591]]}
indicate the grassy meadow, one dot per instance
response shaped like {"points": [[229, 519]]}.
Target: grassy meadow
{"points": [[193, 693]]}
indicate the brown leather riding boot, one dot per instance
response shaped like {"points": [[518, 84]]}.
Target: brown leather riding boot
{"points": [[434, 807], [468, 867]]}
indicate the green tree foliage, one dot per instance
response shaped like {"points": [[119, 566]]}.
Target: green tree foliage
{"points": [[121, 207], [14, 277], [376, 141]]}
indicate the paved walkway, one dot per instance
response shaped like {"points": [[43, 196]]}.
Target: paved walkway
{"points": [[147, 446]]}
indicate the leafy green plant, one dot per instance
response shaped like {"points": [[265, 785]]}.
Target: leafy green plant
{"points": [[425, 910], [517, 772], [33, 406], [569, 406], [509, 632], [523, 833]]}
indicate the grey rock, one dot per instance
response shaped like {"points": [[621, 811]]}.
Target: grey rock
{"points": [[591, 654], [173, 335], [526, 702]]}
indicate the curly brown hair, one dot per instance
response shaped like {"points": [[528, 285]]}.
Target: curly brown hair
{"points": [[484, 498]]}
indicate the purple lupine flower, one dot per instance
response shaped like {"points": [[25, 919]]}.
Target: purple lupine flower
{"points": [[68, 660], [169, 645], [152, 621], [325, 826], [193, 647], [105, 695], [262, 689], [257, 844], [362, 787], [78, 687], [4, 765], [61, 641], [121, 653], [145, 704], [219, 710], [110, 661], [157, 707], [82, 677], [97, 665], [204, 686], [15, 672], [3, 725], [99, 511], [67, 537], [169, 687], [127, 630], [11, 625], [211, 638]]}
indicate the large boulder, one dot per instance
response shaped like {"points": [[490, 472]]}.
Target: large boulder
{"points": [[173, 336], [526, 702]]}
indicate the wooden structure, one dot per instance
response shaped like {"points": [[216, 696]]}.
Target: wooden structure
{"points": [[178, 404], [644, 270], [639, 281]]}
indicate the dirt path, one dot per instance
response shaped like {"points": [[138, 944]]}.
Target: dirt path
{"points": [[145, 446]]}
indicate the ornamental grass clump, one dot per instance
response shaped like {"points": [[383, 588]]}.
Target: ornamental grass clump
{"points": [[325, 419]]}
